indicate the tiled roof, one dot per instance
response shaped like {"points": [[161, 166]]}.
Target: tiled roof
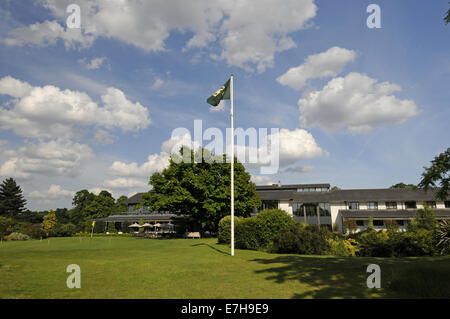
{"points": [[385, 194], [390, 213]]}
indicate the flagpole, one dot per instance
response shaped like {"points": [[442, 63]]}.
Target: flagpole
{"points": [[232, 167]]}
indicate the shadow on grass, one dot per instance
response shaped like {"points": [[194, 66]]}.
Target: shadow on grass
{"points": [[212, 247], [327, 277]]}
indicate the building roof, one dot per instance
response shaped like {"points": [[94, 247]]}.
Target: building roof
{"points": [[384, 194], [290, 186], [390, 213]]}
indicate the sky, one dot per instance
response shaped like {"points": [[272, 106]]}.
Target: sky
{"points": [[95, 107]]}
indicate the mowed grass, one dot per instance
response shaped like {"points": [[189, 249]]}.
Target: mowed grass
{"points": [[114, 267]]}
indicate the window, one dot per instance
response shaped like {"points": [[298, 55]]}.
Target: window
{"points": [[297, 209], [311, 209], [409, 205], [359, 222], [431, 203], [378, 223], [400, 222], [269, 204], [391, 205], [372, 205], [447, 204], [353, 205], [324, 209]]}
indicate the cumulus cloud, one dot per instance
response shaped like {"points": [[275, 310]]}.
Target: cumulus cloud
{"points": [[326, 64], [48, 33], [123, 183], [48, 111], [53, 193], [155, 162], [102, 137], [355, 103], [249, 35], [53, 158]]}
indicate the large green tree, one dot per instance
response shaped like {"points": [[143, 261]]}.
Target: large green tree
{"points": [[12, 202], [438, 173], [200, 189]]}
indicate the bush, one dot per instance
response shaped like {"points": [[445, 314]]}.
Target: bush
{"points": [[17, 236], [443, 237], [64, 230], [300, 239], [224, 236], [342, 247], [374, 244], [246, 234], [270, 222], [409, 244], [6, 226], [35, 232]]}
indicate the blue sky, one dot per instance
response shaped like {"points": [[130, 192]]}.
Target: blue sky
{"points": [[64, 94]]}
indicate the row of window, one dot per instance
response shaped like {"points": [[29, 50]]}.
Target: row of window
{"points": [[313, 189], [393, 205], [380, 223]]}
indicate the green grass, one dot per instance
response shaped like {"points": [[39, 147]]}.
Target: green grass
{"points": [[114, 267]]}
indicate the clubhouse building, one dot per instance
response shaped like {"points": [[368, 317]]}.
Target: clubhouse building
{"points": [[318, 204]]}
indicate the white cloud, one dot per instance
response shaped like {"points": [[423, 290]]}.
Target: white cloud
{"points": [[48, 33], [299, 169], [155, 162], [261, 180], [249, 35], [102, 137], [48, 111], [325, 64], [53, 158], [53, 193], [123, 183], [355, 103], [93, 64], [157, 84]]}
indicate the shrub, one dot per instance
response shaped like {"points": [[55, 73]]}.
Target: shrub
{"points": [[341, 247], [409, 244], [374, 244], [443, 237], [35, 232], [246, 234], [112, 227], [270, 222], [64, 230], [300, 239], [17, 236], [224, 236], [6, 226], [350, 225]]}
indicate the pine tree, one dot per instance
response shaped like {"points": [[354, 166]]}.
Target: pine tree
{"points": [[12, 202]]}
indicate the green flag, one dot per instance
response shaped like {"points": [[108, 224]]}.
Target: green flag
{"points": [[222, 94]]}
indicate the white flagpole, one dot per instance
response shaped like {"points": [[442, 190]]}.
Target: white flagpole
{"points": [[232, 167]]}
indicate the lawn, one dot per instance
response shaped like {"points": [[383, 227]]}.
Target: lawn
{"points": [[114, 267]]}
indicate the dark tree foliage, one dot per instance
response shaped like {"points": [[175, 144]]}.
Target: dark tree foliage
{"points": [[447, 17], [438, 172], [403, 185], [12, 202], [199, 187]]}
